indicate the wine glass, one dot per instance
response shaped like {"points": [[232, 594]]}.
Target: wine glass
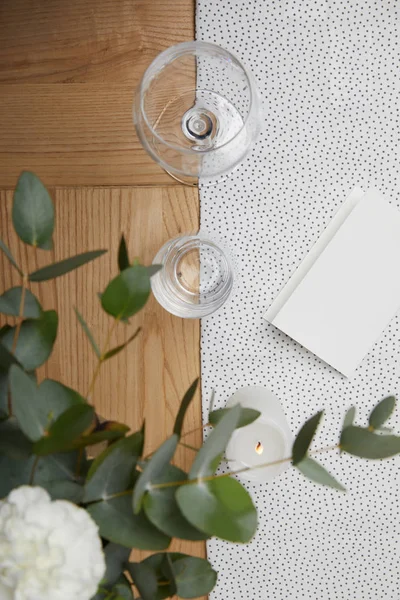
{"points": [[197, 112]]}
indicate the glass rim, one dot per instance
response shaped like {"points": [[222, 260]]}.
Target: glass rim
{"points": [[180, 50]]}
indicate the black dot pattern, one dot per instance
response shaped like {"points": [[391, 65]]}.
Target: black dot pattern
{"points": [[328, 73]]}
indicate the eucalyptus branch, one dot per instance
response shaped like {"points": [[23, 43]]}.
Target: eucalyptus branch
{"points": [[168, 484], [101, 358], [196, 429], [189, 447]]}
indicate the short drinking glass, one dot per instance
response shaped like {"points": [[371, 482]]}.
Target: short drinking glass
{"points": [[197, 276]]}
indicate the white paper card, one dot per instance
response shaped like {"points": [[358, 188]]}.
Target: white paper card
{"points": [[347, 289]]}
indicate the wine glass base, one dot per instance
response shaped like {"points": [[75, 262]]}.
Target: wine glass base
{"points": [[195, 182]]}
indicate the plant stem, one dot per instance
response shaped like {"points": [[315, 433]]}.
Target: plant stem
{"points": [[35, 463], [196, 429], [221, 475], [20, 313], [189, 447], [101, 358], [17, 331]]}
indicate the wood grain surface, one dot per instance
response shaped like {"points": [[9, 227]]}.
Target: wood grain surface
{"points": [[68, 71]]}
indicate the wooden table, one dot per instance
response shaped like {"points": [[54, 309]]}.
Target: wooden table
{"points": [[68, 71]]}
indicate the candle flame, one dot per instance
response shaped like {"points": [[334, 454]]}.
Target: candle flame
{"points": [[259, 448]]}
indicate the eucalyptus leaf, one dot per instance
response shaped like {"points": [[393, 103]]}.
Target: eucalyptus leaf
{"points": [[214, 446], [88, 333], [67, 428], [349, 417], [64, 490], [118, 349], [313, 470], [14, 472], [153, 469], [55, 398], [11, 299], [192, 576], [33, 211], [187, 398], [382, 412], [123, 258], [118, 524], [111, 472], [13, 442], [162, 509], [366, 444], [65, 266], [116, 558], [145, 579], [247, 416], [220, 507], [6, 357], [123, 589], [304, 438], [35, 341], [127, 293], [10, 257], [3, 394], [24, 396]]}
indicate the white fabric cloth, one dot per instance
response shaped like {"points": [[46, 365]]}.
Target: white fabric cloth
{"points": [[328, 72]]}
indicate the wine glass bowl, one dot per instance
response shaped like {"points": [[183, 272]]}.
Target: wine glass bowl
{"points": [[197, 112]]}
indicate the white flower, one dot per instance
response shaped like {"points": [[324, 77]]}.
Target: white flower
{"points": [[49, 550]]}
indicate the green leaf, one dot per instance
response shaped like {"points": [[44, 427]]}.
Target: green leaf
{"points": [[145, 579], [13, 442], [123, 258], [64, 490], [220, 507], [65, 266], [127, 293], [366, 444], [33, 211], [116, 558], [24, 401], [162, 509], [193, 576], [214, 446], [118, 524], [14, 472], [187, 398], [349, 417], [10, 257], [115, 351], [69, 426], [111, 472], [304, 438], [11, 299], [35, 341], [3, 394], [6, 358], [247, 416], [153, 469], [316, 472], [123, 589], [55, 398], [88, 333], [382, 412]]}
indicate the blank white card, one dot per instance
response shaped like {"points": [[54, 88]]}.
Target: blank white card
{"points": [[347, 289]]}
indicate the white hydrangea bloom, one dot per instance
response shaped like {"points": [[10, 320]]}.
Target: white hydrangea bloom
{"points": [[49, 550]]}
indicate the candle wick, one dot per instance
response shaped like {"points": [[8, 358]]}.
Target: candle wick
{"points": [[259, 448]]}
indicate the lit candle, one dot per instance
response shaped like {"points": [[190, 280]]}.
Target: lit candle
{"points": [[266, 440]]}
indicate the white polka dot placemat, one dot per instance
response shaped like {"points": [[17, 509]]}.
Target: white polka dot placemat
{"points": [[328, 72]]}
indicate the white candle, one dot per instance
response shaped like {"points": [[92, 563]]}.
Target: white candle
{"points": [[266, 440]]}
